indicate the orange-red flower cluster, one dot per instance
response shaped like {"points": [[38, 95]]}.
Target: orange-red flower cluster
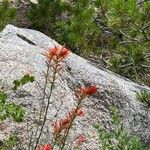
{"points": [[57, 53], [80, 140], [45, 147], [88, 90], [64, 124], [59, 126], [76, 112]]}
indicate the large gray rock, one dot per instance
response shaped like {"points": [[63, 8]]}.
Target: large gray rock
{"points": [[21, 52]]}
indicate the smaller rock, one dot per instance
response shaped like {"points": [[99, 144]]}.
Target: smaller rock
{"points": [[34, 1]]}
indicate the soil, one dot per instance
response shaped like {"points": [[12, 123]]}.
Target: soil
{"points": [[22, 8]]}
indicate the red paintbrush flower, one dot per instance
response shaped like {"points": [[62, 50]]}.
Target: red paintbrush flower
{"points": [[57, 53], [88, 90], [63, 52], [56, 128], [80, 112], [45, 147], [51, 53], [80, 140], [60, 125], [65, 123]]}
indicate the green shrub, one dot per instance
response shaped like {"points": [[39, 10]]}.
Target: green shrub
{"points": [[128, 24], [79, 30], [24, 80], [144, 96], [71, 23], [130, 62], [9, 143], [44, 15], [10, 110], [117, 138], [7, 14]]}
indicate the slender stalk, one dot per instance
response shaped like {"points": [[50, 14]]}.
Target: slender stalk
{"points": [[44, 92], [30, 140], [67, 131], [49, 97], [46, 81]]}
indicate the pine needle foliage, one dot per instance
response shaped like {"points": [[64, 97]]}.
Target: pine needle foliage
{"points": [[44, 15], [79, 30], [128, 22]]}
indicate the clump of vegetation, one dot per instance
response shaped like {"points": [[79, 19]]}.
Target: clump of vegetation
{"points": [[24, 80], [69, 22], [130, 62], [7, 14], [128, 22], [79, 30], [10, 110], [9, 143], [43, 16], [117, 139], [144, 96]]}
